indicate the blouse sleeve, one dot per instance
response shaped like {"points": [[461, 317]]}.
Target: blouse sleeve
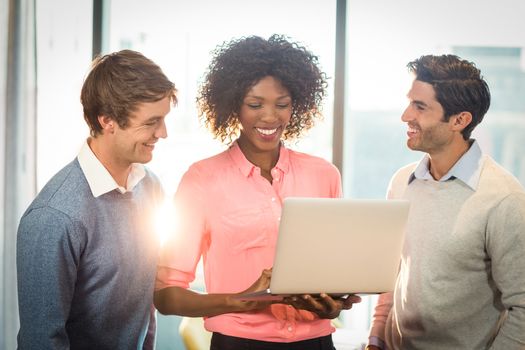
{"points": [[337, 186], [183, 248]]}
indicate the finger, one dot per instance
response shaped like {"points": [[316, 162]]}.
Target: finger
{"points": [[354, 298], [313, 303], [266, 274], [290, 300], [350, 301], [330, 304], [296, 302], [328, 300]]}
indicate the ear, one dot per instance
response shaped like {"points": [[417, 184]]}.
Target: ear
{"points": [[107, 123], [461, 120]]}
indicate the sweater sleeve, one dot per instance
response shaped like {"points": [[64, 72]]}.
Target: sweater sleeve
{"points": [[48, 254], [506, 247]]}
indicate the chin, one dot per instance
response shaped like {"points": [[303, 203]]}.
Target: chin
{"points": [[144, 160], [269, 146], [413, 145]]}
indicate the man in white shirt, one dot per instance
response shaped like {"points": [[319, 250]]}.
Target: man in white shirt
{"points": [[86, 249]]}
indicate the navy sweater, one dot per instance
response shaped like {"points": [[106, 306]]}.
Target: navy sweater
{"points": [[86, 266]]}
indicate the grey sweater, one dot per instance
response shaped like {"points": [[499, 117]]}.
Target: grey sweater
{"points": [[462, 277], [86, 266]]}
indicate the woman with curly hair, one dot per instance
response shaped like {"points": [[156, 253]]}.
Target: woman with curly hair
{"points": [[256, 94]]}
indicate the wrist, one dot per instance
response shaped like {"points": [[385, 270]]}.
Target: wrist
{"points": [[375, 343]]}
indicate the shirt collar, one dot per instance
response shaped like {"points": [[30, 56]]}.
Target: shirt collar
{"points": [[466, 169], [98, 177], [247, 168]]}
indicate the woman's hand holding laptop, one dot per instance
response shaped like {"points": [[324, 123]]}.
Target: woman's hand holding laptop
{"points": [[323, 305]]}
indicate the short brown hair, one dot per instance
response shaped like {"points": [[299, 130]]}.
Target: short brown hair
{"points": [[117, 83], [458, 85]]}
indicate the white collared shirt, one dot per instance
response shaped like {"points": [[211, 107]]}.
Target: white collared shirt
{"points": [[466, 169], [98, 177]]}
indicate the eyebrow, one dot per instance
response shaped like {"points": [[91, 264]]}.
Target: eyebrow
{"points": [[262, 98], [420, 103], [154, 118]]}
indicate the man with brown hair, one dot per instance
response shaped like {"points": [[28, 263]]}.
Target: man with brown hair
{"points": [[86, 249], [460, 282]]}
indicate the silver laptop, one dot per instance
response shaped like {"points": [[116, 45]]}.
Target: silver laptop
{"points": [[336, 246]]}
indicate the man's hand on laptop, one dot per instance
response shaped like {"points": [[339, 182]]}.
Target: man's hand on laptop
{"points": [[323, 305]]}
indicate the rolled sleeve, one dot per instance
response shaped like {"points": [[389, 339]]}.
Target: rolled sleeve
{"points": [[181, 252]]}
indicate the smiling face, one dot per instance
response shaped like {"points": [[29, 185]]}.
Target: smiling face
{"points": [[427, 130], [135, 142], [264, 114]]}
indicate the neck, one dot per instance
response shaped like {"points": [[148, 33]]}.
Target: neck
{"points": [[263, 159], [441, 162], [119, 170]]}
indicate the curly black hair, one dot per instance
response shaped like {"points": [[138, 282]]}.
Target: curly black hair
{"points": [[241, 63]]}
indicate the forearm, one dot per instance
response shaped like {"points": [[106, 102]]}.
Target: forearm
{"points": [[184, 302]]}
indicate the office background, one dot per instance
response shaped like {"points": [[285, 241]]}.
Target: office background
{"points": [[46, 47]]}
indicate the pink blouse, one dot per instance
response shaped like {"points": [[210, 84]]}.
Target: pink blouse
{"points": [[229, 214]]}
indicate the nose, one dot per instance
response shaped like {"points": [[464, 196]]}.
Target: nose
{"points": [[270, 114], [407, 115], [161, 131]]}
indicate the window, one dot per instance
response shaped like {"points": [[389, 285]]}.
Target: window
{"points": [[63, 57]]}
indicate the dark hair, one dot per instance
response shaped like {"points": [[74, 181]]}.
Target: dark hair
{"points": [[117, 83], [239, 64], [458, 85]]}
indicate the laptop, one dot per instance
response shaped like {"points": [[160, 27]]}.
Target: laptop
{"points": [[336, 246]]}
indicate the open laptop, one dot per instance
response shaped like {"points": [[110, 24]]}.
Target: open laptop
{"points": [[336, 246]]}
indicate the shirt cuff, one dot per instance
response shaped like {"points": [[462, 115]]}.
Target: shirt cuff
{"points": [[376, 341]]}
